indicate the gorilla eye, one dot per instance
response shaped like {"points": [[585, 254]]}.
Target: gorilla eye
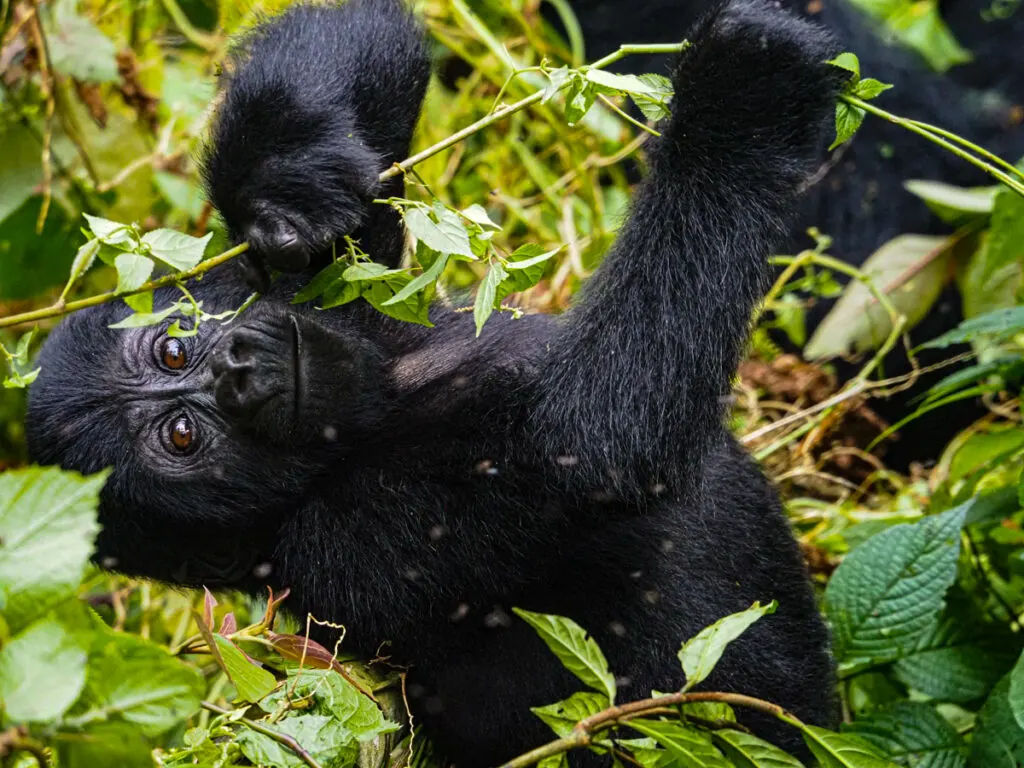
{"points": [[172, 353], [182, 433]]}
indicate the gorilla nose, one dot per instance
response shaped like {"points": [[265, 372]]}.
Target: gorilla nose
{"points": [[279, 244]]}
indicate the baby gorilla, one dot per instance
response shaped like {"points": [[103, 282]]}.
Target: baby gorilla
{"points": [[416, 483]]}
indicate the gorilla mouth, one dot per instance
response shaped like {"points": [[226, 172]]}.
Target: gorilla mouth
{"points": [[297, 373]]}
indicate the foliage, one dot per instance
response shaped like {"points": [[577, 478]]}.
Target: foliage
{"points": [[922, 577]]}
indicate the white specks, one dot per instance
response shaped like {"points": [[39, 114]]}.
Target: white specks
{"points": [[461, 612], [657, 489], [486, 467], [497, 618], [262, 570], [652, 596], [218, 472], [412, 574], [623, 682], [617, 628], [109, 562], [438, 532], [667, 545], [567, 461], [330, 433], [635, 575]]}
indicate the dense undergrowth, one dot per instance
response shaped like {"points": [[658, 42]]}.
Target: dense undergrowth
{"points": [[102, 112]]}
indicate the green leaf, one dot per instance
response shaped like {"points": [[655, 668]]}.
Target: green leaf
{"points": [[889, 591], [326, 741], [414, 309], [478, 215], [911, 270], [849, 62], [999, 324], [134, 681], [835, 750], [109, 232], [557, 78], [47, 529], [687, 747], [913, 734], [142, 320], [1005, 241], [42, 670], [701, 653], [998, 739], [920, 26], [439, 229], [525, 268], [654, 106], [366, 271], [954, 662], [251, 681], [84, 258], [334, 696], [487, 295], [105, 744], [562, 716], [339, 293], [869, 88], [579, 100], [132, 271], [176, 249], [142, 303], [1015, 696], [417, 284], [31, 262], [954, 204], [76, 48], [848, 120], [614, 84], [323, 279], [745, 750], [578, 652]]}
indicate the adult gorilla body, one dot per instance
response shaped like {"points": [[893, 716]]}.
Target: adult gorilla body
{"points": [[414, 483]]}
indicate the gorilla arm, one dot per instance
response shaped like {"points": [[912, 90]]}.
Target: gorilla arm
{"points": [[635, 383]]}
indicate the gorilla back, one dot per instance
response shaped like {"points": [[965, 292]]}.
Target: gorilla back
{"points": [[417, 483]]}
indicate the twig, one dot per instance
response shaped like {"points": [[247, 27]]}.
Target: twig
{"points": [[270, 733], [582, 735], [193, 35]]}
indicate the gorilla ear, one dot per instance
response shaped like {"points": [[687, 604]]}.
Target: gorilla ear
{"points": [[279, 244]]}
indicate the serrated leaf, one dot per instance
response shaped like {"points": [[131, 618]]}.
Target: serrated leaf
{"points": [[688, 748], [326, 741], [612, 83], [486, 295], [134, 681], [701, 653], [913, 734], [998, 740], [562, 716], [440, 230], [747, 751], [835, 750], [579, 100], [107, 231], [848, 120], [84, 258], [132, 271], [42, 671], [414, 309], [251, 681], [889, 591], [557, 78], [999, 324], [578, 652], [911, 270], [47, 529], [176, 249], [340, 292]]}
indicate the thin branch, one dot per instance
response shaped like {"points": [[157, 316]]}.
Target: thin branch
{"points": [[582, 735], [270, 733]]}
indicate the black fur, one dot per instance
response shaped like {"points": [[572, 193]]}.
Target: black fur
{"points": [[415, 484], [859, 199]]}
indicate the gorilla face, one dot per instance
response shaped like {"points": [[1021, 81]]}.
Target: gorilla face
{"points": [[226, 428]]}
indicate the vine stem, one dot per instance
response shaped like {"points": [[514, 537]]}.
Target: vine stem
{"points": [[932, 134], [270, 733], [66, 307], [61, 307], [582, 735]]}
